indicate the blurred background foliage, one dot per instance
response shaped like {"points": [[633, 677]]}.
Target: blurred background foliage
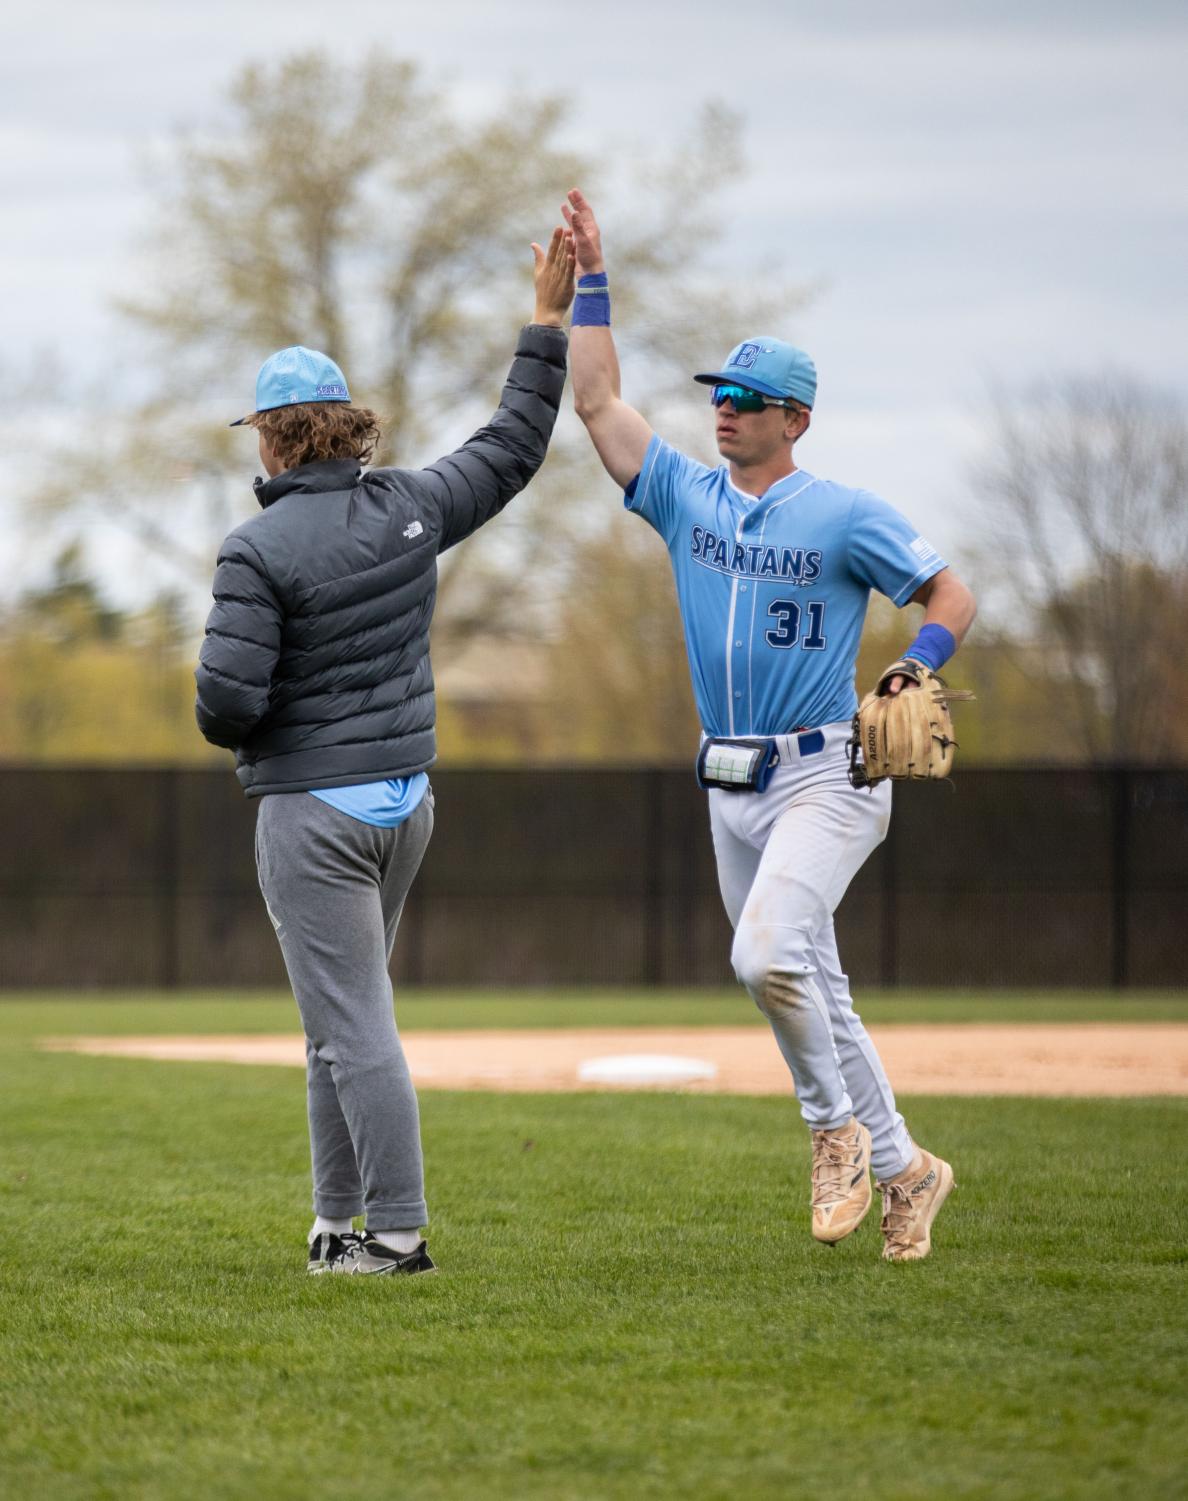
{"points": [[357, 211]]}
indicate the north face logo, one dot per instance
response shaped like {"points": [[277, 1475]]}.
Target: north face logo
{"points": [[413, 529]]}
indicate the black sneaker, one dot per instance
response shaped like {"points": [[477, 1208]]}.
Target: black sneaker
{"points": [[377, 1260], [333, 1253]]}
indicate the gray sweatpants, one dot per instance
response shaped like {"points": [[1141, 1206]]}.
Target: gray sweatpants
{"points": [[335, 888]]}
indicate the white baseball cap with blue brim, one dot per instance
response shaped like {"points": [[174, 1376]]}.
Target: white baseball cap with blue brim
{"points": [[768, 366], [296, 375]]}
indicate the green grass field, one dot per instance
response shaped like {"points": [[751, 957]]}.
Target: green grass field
{"points": [[629, 1303], [55, 1013]]}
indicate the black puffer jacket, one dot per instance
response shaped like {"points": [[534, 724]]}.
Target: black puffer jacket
{"points": [[315, 668]]}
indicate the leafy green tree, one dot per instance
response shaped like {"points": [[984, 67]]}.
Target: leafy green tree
{"points": [[83, 681], [617, 676], [70, 610]]}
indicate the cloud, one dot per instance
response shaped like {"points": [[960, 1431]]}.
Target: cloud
{"points": [[982, 189]]}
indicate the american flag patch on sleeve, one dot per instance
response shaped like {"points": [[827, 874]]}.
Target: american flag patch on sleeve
{"points": [[924, 550]]}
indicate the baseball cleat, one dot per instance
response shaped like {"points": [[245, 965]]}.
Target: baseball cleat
{"points": [[841, 1181], [910, 1203], [332, 1253]]}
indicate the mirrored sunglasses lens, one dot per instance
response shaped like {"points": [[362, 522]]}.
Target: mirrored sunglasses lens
{"points": [[742, 400]]}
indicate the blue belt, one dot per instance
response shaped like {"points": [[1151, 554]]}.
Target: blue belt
{"points": [[800, 743]]}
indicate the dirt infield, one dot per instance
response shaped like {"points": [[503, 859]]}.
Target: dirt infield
{"points": [[968, 1059]]}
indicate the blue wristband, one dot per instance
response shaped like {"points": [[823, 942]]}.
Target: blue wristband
{"points": [[591, 303], [933, 646]]}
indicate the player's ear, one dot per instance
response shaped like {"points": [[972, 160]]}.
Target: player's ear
{"points": [[798, 423]]}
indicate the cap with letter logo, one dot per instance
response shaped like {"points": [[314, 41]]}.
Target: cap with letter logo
{"points": [[769, 366], [297, 375]]}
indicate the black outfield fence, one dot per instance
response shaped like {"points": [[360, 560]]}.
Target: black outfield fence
{"points": [[1006, 877]]}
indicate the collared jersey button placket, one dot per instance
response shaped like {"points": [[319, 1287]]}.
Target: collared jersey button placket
{"points": [[734, 695]]}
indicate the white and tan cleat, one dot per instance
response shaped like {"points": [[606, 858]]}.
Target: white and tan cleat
{"points": [[841, 1181], [911, 1201]]}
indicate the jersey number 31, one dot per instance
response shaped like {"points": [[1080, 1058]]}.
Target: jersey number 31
{"points": [[786, 631]]}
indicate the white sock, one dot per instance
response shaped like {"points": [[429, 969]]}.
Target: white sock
{"points": [[401, 1241], [322, 1225]]}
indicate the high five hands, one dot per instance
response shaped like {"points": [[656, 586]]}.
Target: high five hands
{"points": [[576, 249], [583, 228], [554, 278]]}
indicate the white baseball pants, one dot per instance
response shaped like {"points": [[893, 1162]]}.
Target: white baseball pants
{"points": [[785, 857]]}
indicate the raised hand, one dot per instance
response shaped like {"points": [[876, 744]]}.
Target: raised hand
{"points": [[587, 242], [554, 278]]}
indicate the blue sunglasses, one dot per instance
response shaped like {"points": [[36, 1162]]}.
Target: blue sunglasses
{"points": [[744, 400]]}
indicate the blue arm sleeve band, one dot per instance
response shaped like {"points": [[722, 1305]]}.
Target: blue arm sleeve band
{"points": [[591, 304], [933, 646]]}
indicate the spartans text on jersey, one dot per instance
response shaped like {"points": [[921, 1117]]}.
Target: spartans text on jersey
{"points": [[796, 565]]}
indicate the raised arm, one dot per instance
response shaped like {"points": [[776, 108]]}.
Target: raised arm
{"points": [[618, 432], [476, 481]]}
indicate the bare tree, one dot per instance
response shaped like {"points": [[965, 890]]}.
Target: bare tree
{"points": [[353, 210], [1085, 491]]}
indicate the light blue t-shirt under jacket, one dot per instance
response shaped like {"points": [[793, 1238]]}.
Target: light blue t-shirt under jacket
{"points": [[384, 804]]}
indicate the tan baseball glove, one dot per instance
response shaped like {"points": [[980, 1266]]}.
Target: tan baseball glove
{"points": [[908, 734]]}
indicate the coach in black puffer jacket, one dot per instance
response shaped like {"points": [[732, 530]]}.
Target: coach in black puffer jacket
{"points": [[315, 668]]}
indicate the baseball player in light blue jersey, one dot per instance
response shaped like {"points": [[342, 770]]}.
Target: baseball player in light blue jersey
{"points": [[774, 569]]}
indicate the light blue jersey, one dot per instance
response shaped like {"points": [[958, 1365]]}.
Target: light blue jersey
{"points": [[773, 591]]}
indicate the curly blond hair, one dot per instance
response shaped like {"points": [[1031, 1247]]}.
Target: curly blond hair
{"points": [[313, 430]]}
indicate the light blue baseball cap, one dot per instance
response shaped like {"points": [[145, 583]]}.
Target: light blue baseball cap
{"points": [[296, 375], [768, 366]]}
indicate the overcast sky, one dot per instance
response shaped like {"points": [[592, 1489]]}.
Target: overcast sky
{"points": [[978, 191]]}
